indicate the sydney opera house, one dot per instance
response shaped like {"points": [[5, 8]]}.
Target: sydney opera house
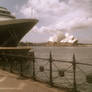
{"points": [[61, 39], [11, 29]]}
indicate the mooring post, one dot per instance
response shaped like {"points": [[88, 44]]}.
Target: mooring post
{"points": [[74, 74], [34, 76], [51, 78]]}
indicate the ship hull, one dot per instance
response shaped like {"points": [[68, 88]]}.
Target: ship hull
{"points": [[12, 31]]}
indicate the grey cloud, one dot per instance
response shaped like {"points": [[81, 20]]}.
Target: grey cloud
{"points": [[61, 14]]}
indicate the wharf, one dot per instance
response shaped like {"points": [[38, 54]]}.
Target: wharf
{"points": [[16, 59], [15, 51], [15, 48]]}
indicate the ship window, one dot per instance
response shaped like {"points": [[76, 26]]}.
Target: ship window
{"points": [[6, 12]]}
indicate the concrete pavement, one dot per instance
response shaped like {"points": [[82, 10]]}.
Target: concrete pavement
{"points": [[11, 83]]}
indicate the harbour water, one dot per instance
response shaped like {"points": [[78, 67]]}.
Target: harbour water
{"points": [[82, 54]]}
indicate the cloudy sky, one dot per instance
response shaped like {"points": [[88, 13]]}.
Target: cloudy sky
{"points": [[71, 16]]}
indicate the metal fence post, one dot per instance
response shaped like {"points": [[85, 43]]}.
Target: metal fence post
{"points": [[51, 78], [21, 67], [3, 63], [74, 74], [11, 65], [34, 76]]}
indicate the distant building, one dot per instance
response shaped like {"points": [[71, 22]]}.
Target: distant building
{"points": [[64, 40], [69, 40]]}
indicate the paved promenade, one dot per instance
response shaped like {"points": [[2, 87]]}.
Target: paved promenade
{"points": [[11, 83]]}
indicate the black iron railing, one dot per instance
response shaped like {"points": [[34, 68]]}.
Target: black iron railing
{"points": [[58, 73]]}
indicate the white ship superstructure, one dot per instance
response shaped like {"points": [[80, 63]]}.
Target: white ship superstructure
{"points": [[5, 14]]}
